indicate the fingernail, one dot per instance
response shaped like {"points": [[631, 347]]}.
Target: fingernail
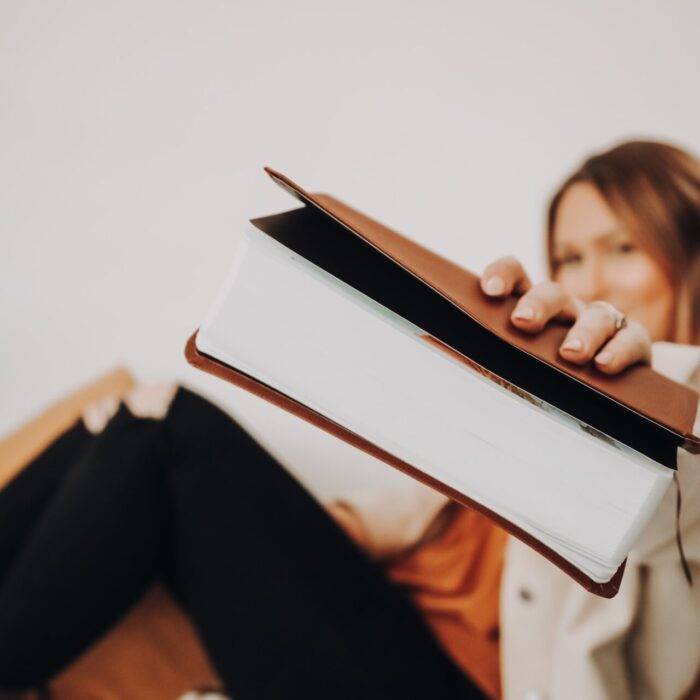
{"points": [[573, 344], [495, 285], [604, 358], [524, 313]]}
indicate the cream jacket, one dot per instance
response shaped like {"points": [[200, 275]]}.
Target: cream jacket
{"points": [[559, 642]]}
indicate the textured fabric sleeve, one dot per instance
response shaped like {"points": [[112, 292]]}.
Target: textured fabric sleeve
{"points": [[657, 543]]}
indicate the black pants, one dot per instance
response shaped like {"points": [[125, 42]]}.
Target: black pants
{"points": [[285, 603]]}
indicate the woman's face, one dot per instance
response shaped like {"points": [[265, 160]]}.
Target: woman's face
{"points": [[595, 258]]}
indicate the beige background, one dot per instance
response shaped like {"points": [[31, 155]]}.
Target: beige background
{"points": [[133, 135]]}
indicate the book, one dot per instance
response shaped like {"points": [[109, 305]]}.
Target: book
{"points": [[396, 350]]}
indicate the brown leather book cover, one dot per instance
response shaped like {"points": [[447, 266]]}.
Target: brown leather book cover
{"points": [[643, 392], [639, 388]]}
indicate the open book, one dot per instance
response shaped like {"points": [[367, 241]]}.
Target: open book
{"points": [[396, 350]]}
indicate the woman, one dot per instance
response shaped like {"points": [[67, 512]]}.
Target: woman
{"points": [[624, 228], [285, 601]]}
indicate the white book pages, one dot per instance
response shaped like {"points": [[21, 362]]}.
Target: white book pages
{"points": [[290, 324]]}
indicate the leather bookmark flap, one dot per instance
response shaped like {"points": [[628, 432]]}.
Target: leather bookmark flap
{"points": [[639, 388]]}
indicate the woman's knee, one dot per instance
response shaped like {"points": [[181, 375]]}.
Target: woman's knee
{"points": [[199, 431]]}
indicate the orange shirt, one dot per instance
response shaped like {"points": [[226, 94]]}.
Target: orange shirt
{"points": [[454, 579]]}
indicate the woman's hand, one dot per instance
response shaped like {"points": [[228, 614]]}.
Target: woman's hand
{"points": [[346, 517], [593, 333]]}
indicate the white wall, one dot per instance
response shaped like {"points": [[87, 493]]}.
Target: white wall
{"points": [[133, 135]]}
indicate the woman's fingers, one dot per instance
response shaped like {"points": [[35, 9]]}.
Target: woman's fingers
{"points": [[543, 302], [628, 346], [594, 326], [505, 276], [593, 334]]}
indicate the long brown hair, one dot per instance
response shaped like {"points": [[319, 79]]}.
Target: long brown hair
{"points": [[654, 190]]}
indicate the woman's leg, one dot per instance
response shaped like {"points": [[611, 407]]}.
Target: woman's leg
{"points": [[286, 604], [24, 498], [93, 550]]}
